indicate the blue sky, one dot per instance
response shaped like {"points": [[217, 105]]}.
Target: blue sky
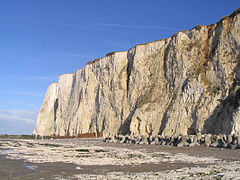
{"points": [[40, 39]]}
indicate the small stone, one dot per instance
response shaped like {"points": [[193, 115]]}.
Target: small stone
{"points": [[214, 141], [175, 141], [122, 140], [220, 142], [231, 146], [225, 145], [207, 140], [112, 140], [238, 140], [238, 146], [133, 141], [151, 138], [224, 137], [214, 144], [192, 144], [144, 140], [229, 139], [197, 144], [202, 140], [191, 138], [184, 141], [107, 139], [167, 140], [194, 140], [155, 142], [235, 140], [180, 145], [199, 136]]}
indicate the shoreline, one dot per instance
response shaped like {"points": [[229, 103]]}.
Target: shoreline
{"points": [[146, 161]]}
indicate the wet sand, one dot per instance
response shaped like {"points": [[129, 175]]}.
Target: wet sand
{"points": [[20, 169], [13, 165]]}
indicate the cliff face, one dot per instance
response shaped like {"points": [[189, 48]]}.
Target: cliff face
{"points": [[186, 84]]}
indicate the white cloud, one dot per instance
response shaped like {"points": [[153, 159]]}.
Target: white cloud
{"points": [[45, 22], [27, 116], [136, 27], [22, 93], [21, 77], [94, 26], [104, 24]]}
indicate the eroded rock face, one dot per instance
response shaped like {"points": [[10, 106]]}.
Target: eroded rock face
{"points": [[186, 84], [47, 115]]}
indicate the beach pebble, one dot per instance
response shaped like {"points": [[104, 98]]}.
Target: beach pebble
{"points": [[207, 140], [229, 139]]}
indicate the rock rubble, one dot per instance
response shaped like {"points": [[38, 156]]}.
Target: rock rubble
{"points": [[208, 140]]}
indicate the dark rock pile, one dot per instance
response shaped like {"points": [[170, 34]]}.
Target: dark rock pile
{"points": [[208, 140]]}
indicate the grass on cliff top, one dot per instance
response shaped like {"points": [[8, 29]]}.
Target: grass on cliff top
{"points": [[98, 59]]}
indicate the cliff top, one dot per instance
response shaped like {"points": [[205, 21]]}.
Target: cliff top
{"points": [[236, 12]]}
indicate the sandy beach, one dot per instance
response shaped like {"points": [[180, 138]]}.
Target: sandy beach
{"points": [[94, 159]]}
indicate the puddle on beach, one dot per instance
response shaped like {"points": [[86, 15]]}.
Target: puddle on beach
{"points": [[8, 149], [30, 166]]}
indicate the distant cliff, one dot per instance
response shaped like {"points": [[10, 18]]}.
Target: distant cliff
{"points": [[186, 84]]}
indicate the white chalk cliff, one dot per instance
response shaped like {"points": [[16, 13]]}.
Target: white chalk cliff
{"points": [[186, 84]]}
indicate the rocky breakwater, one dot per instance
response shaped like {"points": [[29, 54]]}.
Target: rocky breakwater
{"points": [[186, 84], [208, 140]]}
